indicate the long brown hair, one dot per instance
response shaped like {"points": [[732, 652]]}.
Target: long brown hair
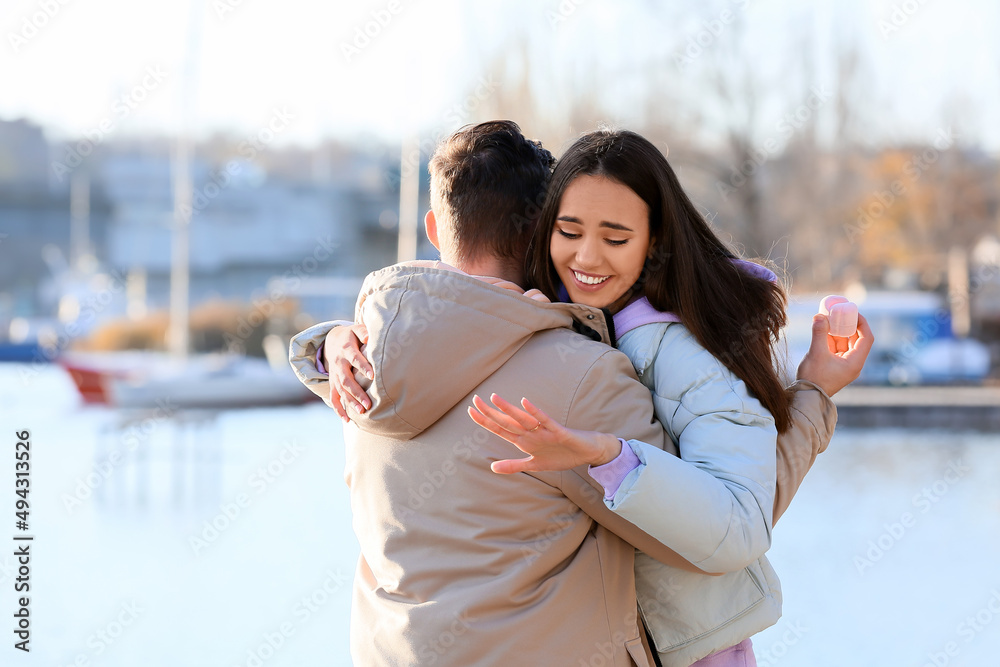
{"points": [[735, 315]]}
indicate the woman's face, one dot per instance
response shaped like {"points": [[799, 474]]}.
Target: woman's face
{"points": [[600, 240]]}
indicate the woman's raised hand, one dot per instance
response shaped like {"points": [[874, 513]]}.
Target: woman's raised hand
{"points": [[549, 444]]}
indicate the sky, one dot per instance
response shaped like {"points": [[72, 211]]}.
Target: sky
{"points": [[385, 68]]}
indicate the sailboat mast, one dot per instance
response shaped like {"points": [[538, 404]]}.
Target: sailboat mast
{"points": [[79, 215], [178, 335], [409, 198]]}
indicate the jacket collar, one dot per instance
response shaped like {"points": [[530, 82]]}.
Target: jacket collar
{"points": [[435, 334], [638, 313]]}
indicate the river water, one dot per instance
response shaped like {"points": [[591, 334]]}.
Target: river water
{"points": [[225, 539]]}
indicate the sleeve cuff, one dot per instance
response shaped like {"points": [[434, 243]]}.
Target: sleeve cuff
{"points": [[613, 473], [319, 358]]}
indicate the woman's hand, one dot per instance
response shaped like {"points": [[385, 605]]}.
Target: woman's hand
{"points": [[551, 445], [342, 356]]}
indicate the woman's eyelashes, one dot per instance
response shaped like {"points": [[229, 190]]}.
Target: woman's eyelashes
{"points": [[572, 236]]}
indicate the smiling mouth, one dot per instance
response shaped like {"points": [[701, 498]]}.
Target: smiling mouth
{"points": [[589, 280]]}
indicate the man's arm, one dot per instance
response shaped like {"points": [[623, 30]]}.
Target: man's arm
{"points": [[814, 417], [829, 366]]}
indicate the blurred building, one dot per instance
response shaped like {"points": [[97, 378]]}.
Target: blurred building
{"points": [[35, 222], [306, 224]]}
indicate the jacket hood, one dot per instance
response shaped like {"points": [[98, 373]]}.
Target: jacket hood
{"points": [[434, 335]]}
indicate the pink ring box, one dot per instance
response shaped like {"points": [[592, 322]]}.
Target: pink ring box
{"points": [[843, 315]]}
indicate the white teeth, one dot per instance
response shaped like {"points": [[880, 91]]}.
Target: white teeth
{"points": [[589, 280]]}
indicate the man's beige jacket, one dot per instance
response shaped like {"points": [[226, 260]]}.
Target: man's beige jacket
{"points": [[461, 566]]}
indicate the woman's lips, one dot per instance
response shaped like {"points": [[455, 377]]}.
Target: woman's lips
{"points": [[579, 277]]}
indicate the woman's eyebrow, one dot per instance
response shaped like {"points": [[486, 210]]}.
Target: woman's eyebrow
{"points": [[615, 225], [604, 223]]}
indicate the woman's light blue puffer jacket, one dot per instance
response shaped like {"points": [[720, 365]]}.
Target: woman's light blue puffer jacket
{"points": [[715, 509]]}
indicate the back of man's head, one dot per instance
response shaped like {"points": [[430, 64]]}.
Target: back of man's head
{"points": [[487, 188]]}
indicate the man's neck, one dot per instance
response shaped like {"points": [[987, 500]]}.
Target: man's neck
{"points": [[487, 267]]}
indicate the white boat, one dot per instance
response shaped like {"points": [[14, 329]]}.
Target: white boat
{"points": [[140, 379]]}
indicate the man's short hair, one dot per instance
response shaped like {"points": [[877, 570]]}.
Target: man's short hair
{"points": [[487, 188]]}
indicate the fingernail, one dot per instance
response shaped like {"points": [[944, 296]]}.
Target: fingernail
{"points": [[371, 376], [367, 405]]}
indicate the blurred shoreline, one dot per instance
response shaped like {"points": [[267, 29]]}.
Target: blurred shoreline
{"points": [[975, 408]]}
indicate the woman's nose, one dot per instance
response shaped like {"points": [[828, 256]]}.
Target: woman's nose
{"points": [[588, 255]]}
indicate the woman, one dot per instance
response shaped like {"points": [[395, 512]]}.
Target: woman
{"points": [[700, 327]]}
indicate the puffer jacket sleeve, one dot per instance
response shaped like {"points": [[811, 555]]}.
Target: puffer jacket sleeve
{"points": [[608, 399], [302, 357], [713, 505]]}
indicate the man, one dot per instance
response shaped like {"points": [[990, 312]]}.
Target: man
{"points": [[460, 566]]}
